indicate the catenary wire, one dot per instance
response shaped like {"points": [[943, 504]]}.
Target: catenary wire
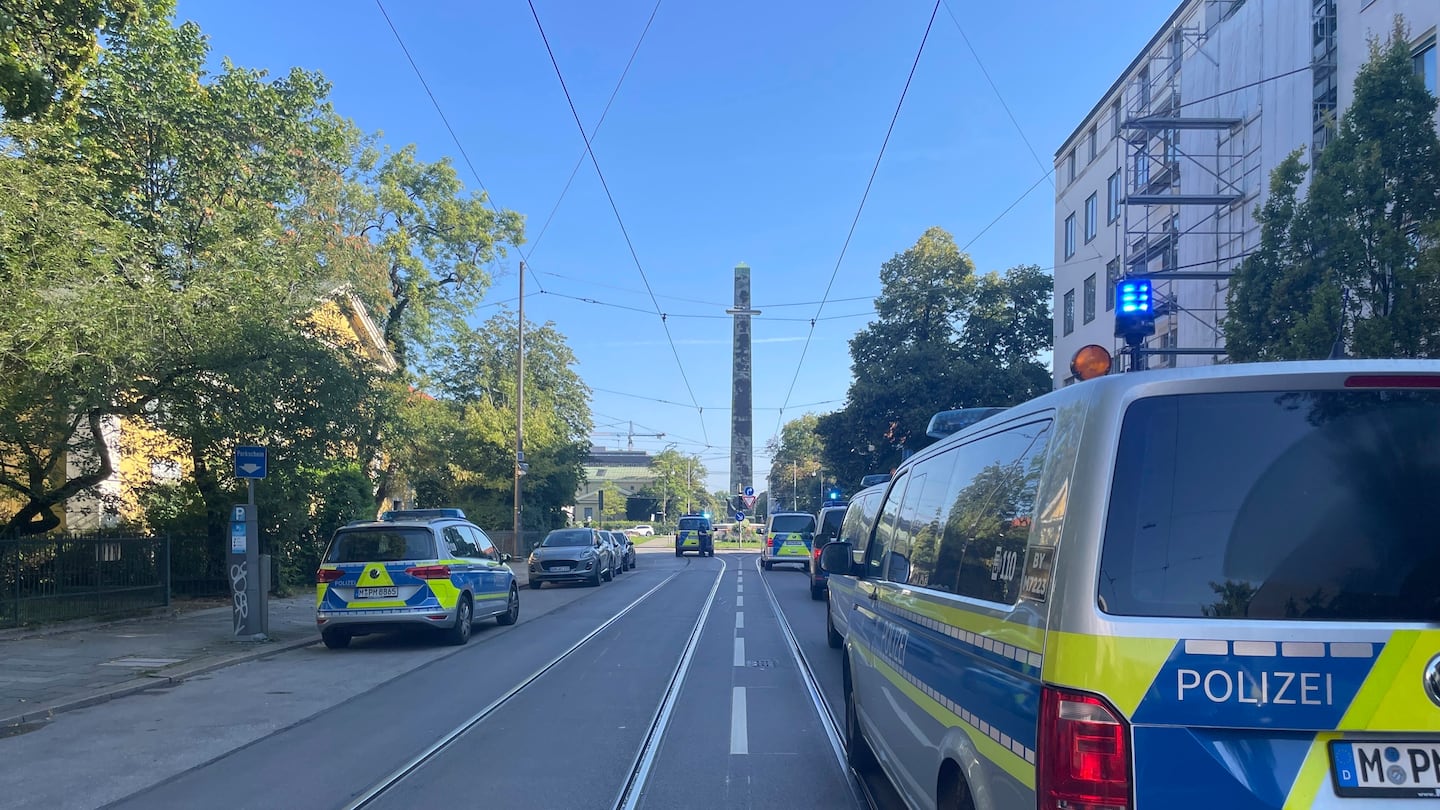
{"points": [[860, 209], [559, 75]]}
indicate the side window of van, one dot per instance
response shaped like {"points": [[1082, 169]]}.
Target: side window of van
{"points": [[898, 568], [922, 516], [885, 530], [991, 503]]}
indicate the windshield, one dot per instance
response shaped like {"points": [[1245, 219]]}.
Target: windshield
{"points": [[786, 524], [381, 545], [1289, 505], [568, 539], [694, 524]]}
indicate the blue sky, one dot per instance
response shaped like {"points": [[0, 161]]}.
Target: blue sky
{"points": [[745, 131]]}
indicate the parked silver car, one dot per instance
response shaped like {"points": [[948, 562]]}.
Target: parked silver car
{"points": [[626, 548], [617, 550], [572, 555]]}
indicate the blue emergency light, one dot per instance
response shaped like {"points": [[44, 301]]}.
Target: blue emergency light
{"points": [[1134, 309]]}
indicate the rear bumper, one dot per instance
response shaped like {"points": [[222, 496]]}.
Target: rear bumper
{"points": [[370, 621]]}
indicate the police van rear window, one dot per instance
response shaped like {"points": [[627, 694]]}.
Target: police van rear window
{"points": [[831, 527], [785, 524], [1304, 505], [694, 524], [382, 545]]}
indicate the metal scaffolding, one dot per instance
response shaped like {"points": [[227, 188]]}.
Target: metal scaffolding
{"points": [[1178, 165]]}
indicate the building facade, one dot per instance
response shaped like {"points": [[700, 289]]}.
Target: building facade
{"points": [[1163, 177], [629, 470]]}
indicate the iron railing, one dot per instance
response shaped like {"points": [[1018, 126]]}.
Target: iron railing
{"points": [[75, 576]]}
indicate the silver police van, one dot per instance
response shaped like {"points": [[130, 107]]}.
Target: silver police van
{"points": [[1208, 587]]}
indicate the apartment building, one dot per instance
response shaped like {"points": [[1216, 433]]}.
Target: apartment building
{"points": [[1164, 175]]}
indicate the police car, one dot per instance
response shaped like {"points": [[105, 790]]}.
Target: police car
{"points": [[1204, 587], [788, 536], [694, 533], [412, 568]]}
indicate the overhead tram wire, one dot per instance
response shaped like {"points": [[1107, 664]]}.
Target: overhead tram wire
{"points": [[618, 219], [805, 349], [446, 121], [580, 161]]}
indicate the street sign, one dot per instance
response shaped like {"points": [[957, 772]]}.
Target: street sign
{"points": [[251, 461], [749, 501], [749, 492], [739, 517]]}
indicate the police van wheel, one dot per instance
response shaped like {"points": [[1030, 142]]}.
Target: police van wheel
{"points": [[679, 553], [535, 584], [335, 638], [512, 609], [817, 592], [857, 750], [832, 637], [765, 564], [460, 633]]}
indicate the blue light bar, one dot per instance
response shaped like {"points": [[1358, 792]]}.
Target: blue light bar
{"points": [[1133, 297]]}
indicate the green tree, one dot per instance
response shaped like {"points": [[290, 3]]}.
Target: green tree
{"points": [[679, 483], [944, 338], [795, 464], [459, 447], [1356, 263], [44, 47]]}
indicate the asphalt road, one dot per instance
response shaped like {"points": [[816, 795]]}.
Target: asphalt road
{"points": [[673, 686]]}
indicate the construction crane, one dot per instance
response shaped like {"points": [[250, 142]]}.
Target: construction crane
{"points": [[630, 436]]}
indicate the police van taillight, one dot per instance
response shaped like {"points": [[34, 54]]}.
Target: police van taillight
{"points": [[1083, 761], [325, 575]]}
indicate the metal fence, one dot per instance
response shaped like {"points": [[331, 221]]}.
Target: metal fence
{"points": [[529, 539], [57, 578]]}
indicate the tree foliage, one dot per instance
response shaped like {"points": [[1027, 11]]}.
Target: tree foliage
{"points": [[944, 338], [679, 483], [1356, 263], [796, 464], [44, 47], [172, 249]]}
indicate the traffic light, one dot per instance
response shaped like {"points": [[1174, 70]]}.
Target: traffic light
{"points": [[1134, 310]]}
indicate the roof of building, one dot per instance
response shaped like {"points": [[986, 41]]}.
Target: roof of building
{"points": [[1119, 80], [600, 457]]}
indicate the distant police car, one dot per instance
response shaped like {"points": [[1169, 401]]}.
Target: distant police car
{"points": [[695, 534], [1203, 587], [419, 567]]}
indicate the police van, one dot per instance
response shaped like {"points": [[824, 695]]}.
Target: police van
{"points": [[1206, 587]]}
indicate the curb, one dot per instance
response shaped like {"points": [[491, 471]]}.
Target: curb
{"points": [[171, 675]]}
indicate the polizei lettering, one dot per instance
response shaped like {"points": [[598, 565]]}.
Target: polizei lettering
{"points": [[1256, 688]]}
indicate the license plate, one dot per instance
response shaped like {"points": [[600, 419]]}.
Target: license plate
{"points": [[1401, 770], [562, 568], [377, 593]]}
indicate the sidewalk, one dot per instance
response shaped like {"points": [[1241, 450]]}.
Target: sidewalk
{"points": [[56, 669]]}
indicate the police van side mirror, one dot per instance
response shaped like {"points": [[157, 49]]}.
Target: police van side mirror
{"points": [[835, 558], [506, 557]]}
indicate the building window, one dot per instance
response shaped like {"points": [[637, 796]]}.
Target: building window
{"points": [[1142, 166], [1092, 216], [1424, 62], [1089, 302], [1112, 277], [1115, 120], [1095, 136], [1069, 312], [1069, 236], [1112, 198], [1142, 88], [1070, 168]]}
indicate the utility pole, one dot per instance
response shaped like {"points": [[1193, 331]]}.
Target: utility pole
{"points": [[689, 482], [794, 487], [520, 466]]}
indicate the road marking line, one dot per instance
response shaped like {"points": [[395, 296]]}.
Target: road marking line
{"points": [[739, 621], [739, 652], [739, 601], [739, 588], [739, 723]]}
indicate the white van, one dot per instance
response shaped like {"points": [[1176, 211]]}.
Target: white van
{"points": [[1206, 587]]}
